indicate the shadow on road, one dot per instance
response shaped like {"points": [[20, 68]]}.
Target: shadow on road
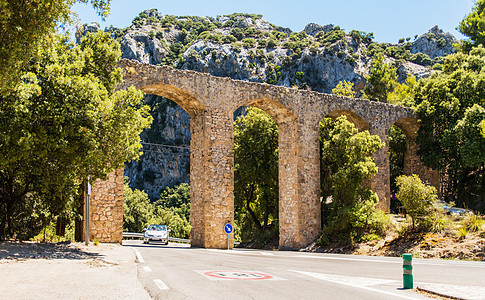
{"points": [[10, 250]]}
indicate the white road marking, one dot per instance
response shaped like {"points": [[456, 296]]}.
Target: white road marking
{"points": [[240, 252], [415, 262], [357, 282], [160, 284], [236, 275], [147, 269], [138, 256], [351, 259], [229, 251]]}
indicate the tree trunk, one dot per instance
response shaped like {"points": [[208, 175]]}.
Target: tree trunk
{"points": [[79, 221], [249, 198]]}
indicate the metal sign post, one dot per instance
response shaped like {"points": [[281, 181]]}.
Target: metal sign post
{"points": [[228, 230]]}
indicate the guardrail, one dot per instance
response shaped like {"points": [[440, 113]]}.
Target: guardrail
{"points": [[140, 235], [132, 234], [172, 239]]}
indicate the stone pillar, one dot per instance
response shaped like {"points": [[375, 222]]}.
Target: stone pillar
{"points": [[212, 179], [414, 165], [106, 206], [299, 183], [381, 182]]}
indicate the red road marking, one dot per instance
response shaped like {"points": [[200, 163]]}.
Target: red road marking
{"points": [[238, 275]]}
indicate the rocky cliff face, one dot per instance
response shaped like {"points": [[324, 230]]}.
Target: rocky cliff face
{"points": [[166, 154], [247, 47]]}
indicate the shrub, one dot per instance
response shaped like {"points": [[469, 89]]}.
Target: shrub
{"points": [[228, 23], [416, 197], [462, 233], [436, 222], [473, 223], [227, 39], [236, 46], [262, 43], [421, 59], [271, 44], [238, 33], [249, 42], [356, 35]]}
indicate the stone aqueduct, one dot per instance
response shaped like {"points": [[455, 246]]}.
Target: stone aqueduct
{"points": [[211, 102]]}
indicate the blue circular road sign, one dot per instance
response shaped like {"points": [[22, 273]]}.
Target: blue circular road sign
{"points": [[228, 228]]}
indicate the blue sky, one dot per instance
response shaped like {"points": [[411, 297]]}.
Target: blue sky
{"points": [[388, 20]]}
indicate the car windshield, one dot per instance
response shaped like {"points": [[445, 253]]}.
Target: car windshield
{"points": [[157, 228]]}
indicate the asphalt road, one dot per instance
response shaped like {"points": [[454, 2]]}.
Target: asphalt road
{"points": [[179, 272]]}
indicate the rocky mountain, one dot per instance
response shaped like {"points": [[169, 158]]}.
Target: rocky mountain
{"points": [[247, 47]]}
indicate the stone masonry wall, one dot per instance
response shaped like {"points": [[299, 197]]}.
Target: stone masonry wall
{"points": [[211, 101], [106, 203]]}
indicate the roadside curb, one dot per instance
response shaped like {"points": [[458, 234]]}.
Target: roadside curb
{"points": [[429, 291]]}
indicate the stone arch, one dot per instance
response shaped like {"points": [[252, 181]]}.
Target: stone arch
{"points": [[188, 102], [199, 183], [280, 113], [412, 161], [359, 122], [291, 206], [209, 99]]}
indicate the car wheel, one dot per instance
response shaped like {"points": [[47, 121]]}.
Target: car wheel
{"points": [[166, 243]]}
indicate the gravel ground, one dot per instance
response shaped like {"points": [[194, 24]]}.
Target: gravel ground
{"points": [[68, 271]]}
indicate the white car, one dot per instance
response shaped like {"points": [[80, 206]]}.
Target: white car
{"points": [[156, 233]]}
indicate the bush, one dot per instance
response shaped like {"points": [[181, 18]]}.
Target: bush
{"points": [[473, 223], [249, 42], [357, 35], [227, 39], [421, 59], [271, 44], [416, 197], [262, 43], [238, 33]]}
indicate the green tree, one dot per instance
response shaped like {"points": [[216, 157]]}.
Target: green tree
{"points": [[256, 171], [482, 125], [173, 210], [344, 88], [177, 223], [473, 26], [177, 198], [137, 210], [450, 108], [346, 162], [416, 197], [28, 26], [403, 93], [381, 80], [397, 150], [64, 122]]}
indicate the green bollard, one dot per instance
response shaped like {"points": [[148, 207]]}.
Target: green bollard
{"points": [[407, 272]]}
